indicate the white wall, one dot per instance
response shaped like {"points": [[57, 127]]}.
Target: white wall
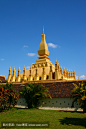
{"points": [[54, 102]]}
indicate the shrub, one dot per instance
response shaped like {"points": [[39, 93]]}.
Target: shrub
{"points": [[33, 94], [8, 96], [79, 95]]}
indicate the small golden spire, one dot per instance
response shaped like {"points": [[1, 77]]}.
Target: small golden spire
{"points": [[14, 67], [19, 71], [56, 61], [10, 68], [14, 71], [19, 67], [43, 29], [66, 69], [24, 67]]}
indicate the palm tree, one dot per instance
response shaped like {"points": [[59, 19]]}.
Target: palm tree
{"points": [[79, 95], [33, 94]]}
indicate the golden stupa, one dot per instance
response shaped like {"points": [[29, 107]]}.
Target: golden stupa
{"points": [[42, 69]]}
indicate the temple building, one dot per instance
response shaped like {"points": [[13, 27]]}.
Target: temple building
{"points": [[58, 81], [42, 69]]}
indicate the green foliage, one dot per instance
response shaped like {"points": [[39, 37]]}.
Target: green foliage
{"points": [[79, 95], [33, 94], [8, 96]]}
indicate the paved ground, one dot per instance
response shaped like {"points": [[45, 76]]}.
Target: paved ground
{"points": [[52, 108]]}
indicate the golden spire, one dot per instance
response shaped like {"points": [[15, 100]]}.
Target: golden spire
{"points": [[43, 30], [14, 68], [14, 71], [19, 71], [56, 61], [63, 68], [10, 70], [43, 48], [24, 67], [19, 67]]}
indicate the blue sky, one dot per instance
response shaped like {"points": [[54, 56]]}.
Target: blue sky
{"points": [[21, 25]]}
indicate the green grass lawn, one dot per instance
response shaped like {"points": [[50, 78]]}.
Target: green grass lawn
{"points": [[56, 119]]}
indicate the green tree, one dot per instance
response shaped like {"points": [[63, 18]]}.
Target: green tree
{"points": [[79, 95], [33, 94], [8, 95]]}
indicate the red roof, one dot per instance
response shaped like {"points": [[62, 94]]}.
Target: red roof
{"points": [[2, 79]]}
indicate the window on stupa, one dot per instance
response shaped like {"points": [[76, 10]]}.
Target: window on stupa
{"points": [[47, 77], [40, 78], [53, 75]]}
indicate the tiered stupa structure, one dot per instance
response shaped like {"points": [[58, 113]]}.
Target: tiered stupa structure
{"points": [[42, 69]]}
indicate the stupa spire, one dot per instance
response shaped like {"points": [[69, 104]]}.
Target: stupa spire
{"points": [[56, 61], [43, 30], [43, 48]]}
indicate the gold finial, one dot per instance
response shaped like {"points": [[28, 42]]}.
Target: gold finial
{"points": [[19, 67], [24, 67], [43, 29], [10, 68], [56, 61], [66, 69]]}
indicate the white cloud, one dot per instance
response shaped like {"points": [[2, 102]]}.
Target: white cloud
{"points": [[82, 76], [52, 45], [31, 54], [25, 46], [76, 77], [27, 67], [2, 59]]}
